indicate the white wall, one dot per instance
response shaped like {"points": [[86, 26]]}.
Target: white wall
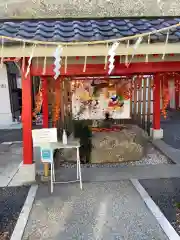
{"points": [[5, 107]]}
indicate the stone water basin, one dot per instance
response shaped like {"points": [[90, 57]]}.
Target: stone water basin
{"points": [[128, 144]]}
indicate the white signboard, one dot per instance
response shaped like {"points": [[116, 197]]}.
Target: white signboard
{"points": [[44, 135]]}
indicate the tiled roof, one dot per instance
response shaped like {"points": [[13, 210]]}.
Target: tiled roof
{"points": [[88, 30]]}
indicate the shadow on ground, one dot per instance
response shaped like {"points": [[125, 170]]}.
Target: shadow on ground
{"points": [[10, 135]]}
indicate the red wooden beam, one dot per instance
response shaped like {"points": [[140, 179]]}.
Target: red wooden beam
{"points": [[27, 116], [120, 69], [12, 59], [156, 102]]}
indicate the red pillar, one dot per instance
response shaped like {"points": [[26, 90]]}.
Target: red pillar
{"points": [[27, 116], [176, 93], [45, 110], [156, 103], [161, 92]]}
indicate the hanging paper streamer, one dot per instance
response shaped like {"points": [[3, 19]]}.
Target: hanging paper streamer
{"points": [[127, 57], [167, 37], [136, 45], [44, 64], [57, 61], [112, 54], [23, 61], [30, 60], [85, 63], [147, 56], [106, 57]]}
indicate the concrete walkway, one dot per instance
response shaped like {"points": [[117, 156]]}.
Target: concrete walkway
{"points": [[10, 160], [101, 211], [10, 135]]}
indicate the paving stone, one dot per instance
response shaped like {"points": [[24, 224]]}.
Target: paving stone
{"points": [[9, 163], [4, 148], [10, 135]]}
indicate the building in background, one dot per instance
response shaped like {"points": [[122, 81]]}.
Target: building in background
{"points": [[10, 94]]}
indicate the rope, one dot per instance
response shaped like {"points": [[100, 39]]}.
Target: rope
{"points": [[90, 42]]}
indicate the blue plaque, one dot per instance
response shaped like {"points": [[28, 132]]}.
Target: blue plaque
{"points": [[46, 155]]}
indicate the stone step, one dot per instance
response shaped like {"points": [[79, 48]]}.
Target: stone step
{"points": [[119, 173]]}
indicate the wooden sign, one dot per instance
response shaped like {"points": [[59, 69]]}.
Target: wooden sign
{"points": [[44, 135]]}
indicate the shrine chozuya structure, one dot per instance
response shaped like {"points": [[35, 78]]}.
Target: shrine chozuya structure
{"points": [[54, 49]]}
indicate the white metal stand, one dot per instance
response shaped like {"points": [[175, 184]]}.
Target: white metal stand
{"points": [[70, 145]]}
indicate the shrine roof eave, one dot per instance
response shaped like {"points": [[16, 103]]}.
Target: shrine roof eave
{"points": [[90, 50], [70, 31], [88, 30]]}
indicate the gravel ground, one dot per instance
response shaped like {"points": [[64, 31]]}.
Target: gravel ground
{"points": [[101, 211], [153, 157], [11, 202], [165, 193]]}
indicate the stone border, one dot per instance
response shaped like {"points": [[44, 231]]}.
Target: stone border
{"points": [[24, 215], [12, 126], [13, 174], [162, 220], [10, 143]]}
